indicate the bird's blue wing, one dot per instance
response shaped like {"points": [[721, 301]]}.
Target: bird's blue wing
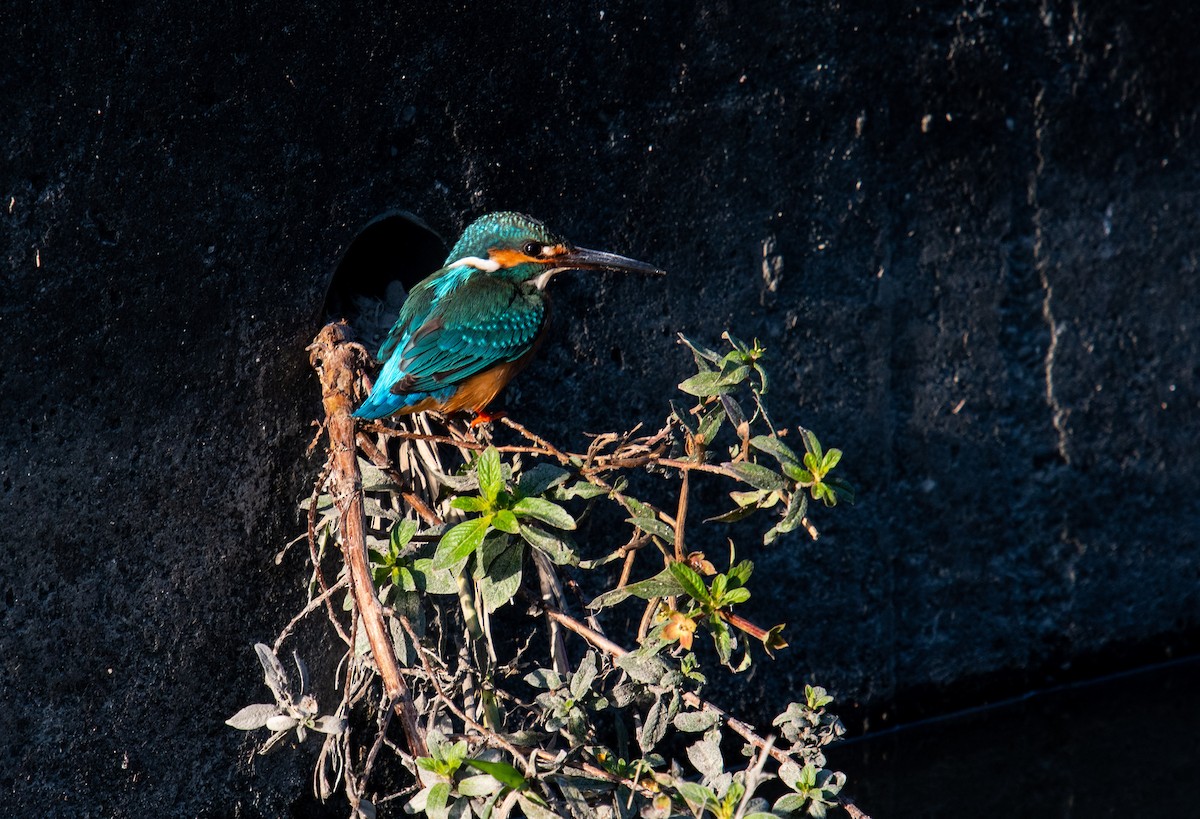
{"points": [[439, 342]]}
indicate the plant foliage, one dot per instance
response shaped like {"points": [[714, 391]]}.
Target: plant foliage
{"points": [[569, 722]]}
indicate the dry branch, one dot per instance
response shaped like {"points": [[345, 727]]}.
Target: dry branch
{"points": [[340, 364]]}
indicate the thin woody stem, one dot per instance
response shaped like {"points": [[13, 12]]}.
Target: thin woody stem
{"points": [[339, 364], [681, 516], [316, 558]]}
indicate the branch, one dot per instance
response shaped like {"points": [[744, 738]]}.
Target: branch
{"points": [[340, 364]]}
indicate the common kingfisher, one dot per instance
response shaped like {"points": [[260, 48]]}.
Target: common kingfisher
{"points": [[465, 331]]}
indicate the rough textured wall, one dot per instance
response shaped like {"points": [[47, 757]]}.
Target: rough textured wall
{"points": [[984, 217]]}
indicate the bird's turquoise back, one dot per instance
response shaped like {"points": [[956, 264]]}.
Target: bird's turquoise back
{"points": [[453, 325]]}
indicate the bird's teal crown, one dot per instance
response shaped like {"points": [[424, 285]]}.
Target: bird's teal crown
{"points": [[505, 231]]}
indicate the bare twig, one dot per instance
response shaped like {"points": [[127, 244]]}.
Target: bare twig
{"points": [[681, 515], [323, 597], [315, 556], [339, 364]]}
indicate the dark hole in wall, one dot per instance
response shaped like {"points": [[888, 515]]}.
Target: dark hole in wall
{"points": [[391, 254]]}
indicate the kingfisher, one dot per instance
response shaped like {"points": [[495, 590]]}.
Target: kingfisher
{"points": [[466, 330]]}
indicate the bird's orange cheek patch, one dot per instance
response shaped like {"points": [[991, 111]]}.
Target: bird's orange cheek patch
{"points": [[510, 258], [507, 257]]}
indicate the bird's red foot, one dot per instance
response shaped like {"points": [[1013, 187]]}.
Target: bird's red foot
{"points": [[486, 417]]}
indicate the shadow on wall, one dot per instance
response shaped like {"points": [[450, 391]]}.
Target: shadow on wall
{"points": [[391, 254]]}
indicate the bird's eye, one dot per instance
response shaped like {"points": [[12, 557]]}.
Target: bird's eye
{"points": [[532, 249]]}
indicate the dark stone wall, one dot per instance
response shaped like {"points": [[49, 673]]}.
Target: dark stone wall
{"points": [[984, 221]]}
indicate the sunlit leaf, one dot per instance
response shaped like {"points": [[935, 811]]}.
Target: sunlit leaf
{"points": [[690, 580], [758, 476], [253, 716], [775, 447], [491, 478], [653, 526], [503, 772], [460, 541], [545, 511], [811, 444], [705, 384], [470, 503], [663, 584], [506, 521]]}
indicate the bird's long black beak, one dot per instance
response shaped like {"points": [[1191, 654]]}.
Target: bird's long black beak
{"points": [[580, 258]]}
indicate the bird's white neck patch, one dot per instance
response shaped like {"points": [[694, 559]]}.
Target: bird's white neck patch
{"points": [[487, 265], [542, 279]]}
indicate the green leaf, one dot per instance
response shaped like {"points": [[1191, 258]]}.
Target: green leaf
{"points": [[402, 534], [797, 508], [843, 489], [822, 492], [663, 584], [710, 424], [461, 541], [503, 577], [722, 639], [685, 418], [697, 795], [801, 476], [541, 477], [506, 774], [506, 521], [705, 384], [696, 721], [653, 526], [544, 678], [735, 596], [815, 696], [648, 670], [776, 448], [762, 374], [701, 352], [733, 515], [579, 489], [557, 549], [812, 464], [482, 785], [740, 573], [545, 511], [432, 580], [790, 803], [439, 795], [691, 581], [585, 675], [470, 503], [832, 456], [733, 374], [733, 410], [739, 345], [491, 478], [658, 721], [758, 476], [811, 444]]}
